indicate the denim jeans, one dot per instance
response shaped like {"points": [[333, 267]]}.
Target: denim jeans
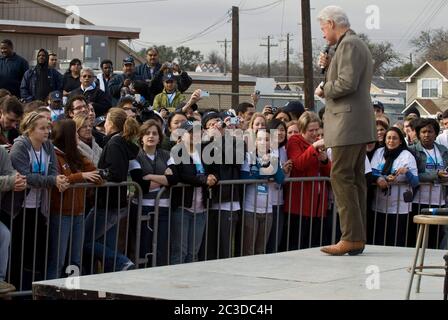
{"points": [[62, 228], [5, 239], [102, 240], [187, 232]]}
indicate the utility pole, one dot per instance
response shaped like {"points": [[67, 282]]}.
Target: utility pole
{"points": [[225, 55], [410, 58], [287, 57], [235, 56], [307, 54], [269, 45]]}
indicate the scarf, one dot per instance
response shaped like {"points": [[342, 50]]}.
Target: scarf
{"points": [[390, 156]]}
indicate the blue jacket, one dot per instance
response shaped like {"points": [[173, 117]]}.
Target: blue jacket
{"points": [[28, 86], [12, 70]]}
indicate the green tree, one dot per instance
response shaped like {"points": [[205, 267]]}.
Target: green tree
{"points": [[187, 58], [402, 71], [166, 54]]}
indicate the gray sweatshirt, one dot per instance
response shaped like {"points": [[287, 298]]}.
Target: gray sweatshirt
{"points": [[7, 173]]}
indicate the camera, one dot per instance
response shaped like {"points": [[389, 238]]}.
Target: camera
{"points": [[104, 173], [234, 120], [274, 109]]}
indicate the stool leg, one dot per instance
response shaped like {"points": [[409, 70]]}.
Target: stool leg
{"points": [[422, 257], [445, 287], [414, 263]]}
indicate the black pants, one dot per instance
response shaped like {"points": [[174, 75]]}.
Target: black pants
{"points": [[219, 235]]}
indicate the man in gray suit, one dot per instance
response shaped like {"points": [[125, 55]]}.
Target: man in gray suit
{"points": [[349, 125]]}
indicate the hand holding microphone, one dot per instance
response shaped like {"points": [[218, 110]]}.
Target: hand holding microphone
{"points": [[324, 59]]}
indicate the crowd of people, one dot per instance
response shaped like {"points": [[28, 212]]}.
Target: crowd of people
{"points": [[59, 130]]}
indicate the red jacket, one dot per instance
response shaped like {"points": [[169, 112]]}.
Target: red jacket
{"points": [[306, 164]]}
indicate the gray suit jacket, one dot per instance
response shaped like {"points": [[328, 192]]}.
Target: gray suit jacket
{"points": [[349, 117]]}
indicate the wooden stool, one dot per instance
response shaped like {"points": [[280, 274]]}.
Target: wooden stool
{"points": [[424, 221]]}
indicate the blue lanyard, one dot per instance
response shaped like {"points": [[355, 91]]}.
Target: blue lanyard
{"points": [[436, 164]]}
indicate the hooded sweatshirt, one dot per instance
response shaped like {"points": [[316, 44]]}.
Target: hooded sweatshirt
{"points": [[38, 82]]}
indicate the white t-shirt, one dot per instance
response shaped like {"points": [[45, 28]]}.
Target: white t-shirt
{"points": [[392, 201], [165, 203], [39, 161], [434, 162], [443, 138]]}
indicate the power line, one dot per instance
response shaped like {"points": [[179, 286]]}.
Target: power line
{"points": [[275, 3], [62, 5]]}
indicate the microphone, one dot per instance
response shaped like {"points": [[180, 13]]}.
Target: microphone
{"points": [[325, 51]]}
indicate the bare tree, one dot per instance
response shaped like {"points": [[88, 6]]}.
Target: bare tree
{"points": [[383, 54], [431, 45]]}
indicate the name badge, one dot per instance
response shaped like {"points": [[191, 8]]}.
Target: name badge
{"points": [[262, 188]]}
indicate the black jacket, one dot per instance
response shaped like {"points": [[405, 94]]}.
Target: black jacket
{"points": [[115, 157], [12, 70], [187, 174], [227, 145], [100, 100]]}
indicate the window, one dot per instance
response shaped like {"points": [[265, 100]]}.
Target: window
{"points": [[430, 88]]}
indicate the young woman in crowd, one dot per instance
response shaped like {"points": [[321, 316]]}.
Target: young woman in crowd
{"points": [[278, 127], [190, 203], [111, 206], [67, 209], [307, 202], [292, 128], [260, 163], [392, 164], [282, 115], [148, 170], [33, 156], [72, 77], [174, 122]]}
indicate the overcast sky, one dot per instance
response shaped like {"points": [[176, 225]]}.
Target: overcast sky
{"points": [[169, 22]]}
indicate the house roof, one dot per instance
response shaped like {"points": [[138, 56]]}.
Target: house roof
{"points": [[427, 105], [391, 83], [441, 67], [60, 29], [60, 10]]}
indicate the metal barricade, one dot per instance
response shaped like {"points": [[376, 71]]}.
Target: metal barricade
{"points": [[229, 224], [87, 229]]}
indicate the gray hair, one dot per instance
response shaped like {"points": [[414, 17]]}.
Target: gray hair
{"points": [[87, 69], [336, 14]]}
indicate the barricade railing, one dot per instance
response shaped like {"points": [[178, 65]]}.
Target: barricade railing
{"points": [[87, 229], [225, 226]]}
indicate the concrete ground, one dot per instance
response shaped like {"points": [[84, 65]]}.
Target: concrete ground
{"points": [[379, 273]]}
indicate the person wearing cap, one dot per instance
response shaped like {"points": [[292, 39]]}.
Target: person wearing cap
{"points": [[40, 80], [152, 72], [55, 105], [223, 216], [123, 83], [170, 97], [71, 79], [189, 209], [294, 108], [378, 108], [100, 100]]}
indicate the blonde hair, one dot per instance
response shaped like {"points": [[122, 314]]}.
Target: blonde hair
{"points": [[128, 126], [292, 123], [29, 122], [255, 116], [80, 119], [305, 119]]}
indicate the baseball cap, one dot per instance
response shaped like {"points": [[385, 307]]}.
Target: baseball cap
{"points": [[295, 107], [55, 96], [209, 116], [99, 121], [168, 76], [128, 60], [189, 125], [378, 104]]}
